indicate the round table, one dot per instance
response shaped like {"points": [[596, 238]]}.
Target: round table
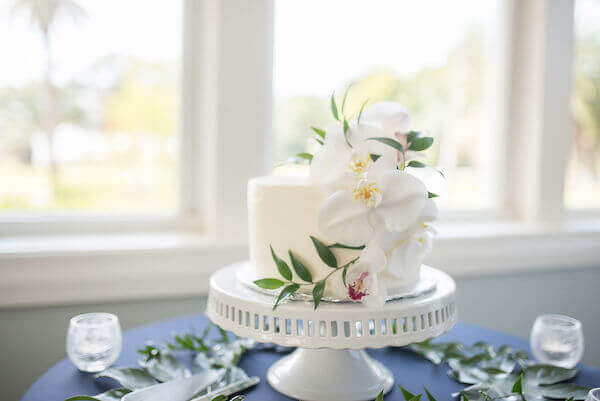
{"points": [[64, 380]]}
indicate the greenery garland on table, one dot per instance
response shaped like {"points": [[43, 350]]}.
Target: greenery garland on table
{"points": [[159, 365], [501, 374]]}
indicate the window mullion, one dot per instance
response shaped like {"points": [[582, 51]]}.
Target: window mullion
{"points": [[243, 110], [539, 117]]}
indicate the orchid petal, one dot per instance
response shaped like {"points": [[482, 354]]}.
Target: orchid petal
{"points": [[377, 297], [391, 117], [405, 261], [374, 257], [430, 211], [403, 200], [329, 166], [342, 219], [360, 139]]}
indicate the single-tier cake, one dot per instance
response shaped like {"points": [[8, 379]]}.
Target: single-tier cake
{"points": [[355, 222]]}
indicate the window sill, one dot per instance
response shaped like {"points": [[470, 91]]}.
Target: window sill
{"points": [[80, 269]]}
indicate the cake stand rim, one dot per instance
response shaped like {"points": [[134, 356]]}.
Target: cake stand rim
{"points": [[248, 313]]}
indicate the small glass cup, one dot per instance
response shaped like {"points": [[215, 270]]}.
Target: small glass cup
{"points": [[94, 341], [557, 340], [593, 395]]}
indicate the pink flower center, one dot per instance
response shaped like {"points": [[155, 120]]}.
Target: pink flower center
{"points": [[357, 290]]}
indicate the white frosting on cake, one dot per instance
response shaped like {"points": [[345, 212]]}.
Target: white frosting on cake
{"points": [[282, 212]]}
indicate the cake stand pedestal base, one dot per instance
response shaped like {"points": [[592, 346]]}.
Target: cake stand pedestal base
{"points": [[334, 375]]}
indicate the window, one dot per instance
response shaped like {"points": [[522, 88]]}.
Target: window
{"points": [[582, 187], [89, 106], [388, 50]]}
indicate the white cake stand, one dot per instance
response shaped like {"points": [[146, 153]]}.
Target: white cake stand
{"points": [[330, 362]]}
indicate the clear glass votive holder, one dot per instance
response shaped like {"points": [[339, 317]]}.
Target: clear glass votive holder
{"points": [[94, 341], [557, 340], [593, 395]]}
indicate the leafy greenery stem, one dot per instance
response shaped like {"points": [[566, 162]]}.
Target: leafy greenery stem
{"points": [[330, 273], [403, 165]]}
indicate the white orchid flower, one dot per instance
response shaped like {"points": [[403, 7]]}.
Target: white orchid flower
{"points": [[391, 117], [407, 250], [384, 196], [394, 121], [363, 283], [344, 159]]}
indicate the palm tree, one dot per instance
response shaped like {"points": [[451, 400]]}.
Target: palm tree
{"points": [[43, 15]]}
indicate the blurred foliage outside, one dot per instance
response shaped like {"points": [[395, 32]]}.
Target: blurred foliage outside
{"points": [[582, 184], [107, 142], [104, 141], [448, 102]]}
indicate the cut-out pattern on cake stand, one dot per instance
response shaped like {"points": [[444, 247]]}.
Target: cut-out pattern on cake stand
{"points": [[333, 337]]}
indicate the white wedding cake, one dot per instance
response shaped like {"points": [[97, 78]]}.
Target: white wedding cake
{"points": [[355, 222]]}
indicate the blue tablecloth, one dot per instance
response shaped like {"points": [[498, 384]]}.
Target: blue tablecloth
{"points": [[64, 380]]}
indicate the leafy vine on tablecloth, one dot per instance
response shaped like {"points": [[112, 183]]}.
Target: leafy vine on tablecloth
{"points": [[492, 374]]}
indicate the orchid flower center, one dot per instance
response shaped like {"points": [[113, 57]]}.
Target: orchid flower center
{"points": [[357, 290], [368, 193], [359, 165]]}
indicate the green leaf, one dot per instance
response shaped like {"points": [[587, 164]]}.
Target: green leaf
{"points": [[420, 143], [282, 267], [547, 374], [220, 398], [269, 283], [494, 371], [374, 157], [431, 195], [346, 126], [334, 109], [317, 293], [362, 108], [344, 272], [300, 269], [431, 398], [342, 246], [563, 390], [131, 378], [319, 132], [116, 394], [166, 367], [475, 359], [345, 97], [324, 252], [388, 141], [285, 293], [224, 337], [188, 342], [407, 394], [416, 164], [438, 352], [150, 352], [379, 396], [318, 140], [518, 386], [305, 155]]}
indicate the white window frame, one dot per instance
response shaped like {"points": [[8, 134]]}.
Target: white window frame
{"points": [[226, 139]]}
